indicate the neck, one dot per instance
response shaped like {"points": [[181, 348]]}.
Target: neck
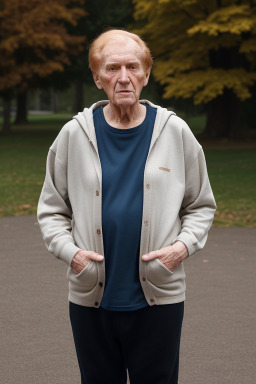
{"points": [[124, 116]]}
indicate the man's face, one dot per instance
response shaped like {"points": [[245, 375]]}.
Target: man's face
{"points": [[121, 73]]}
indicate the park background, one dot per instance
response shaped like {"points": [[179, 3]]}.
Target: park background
{"points": [[205, 70]]}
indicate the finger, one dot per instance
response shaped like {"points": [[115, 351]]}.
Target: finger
{"points": [[87, 255], [151, 255], [95, 256]]}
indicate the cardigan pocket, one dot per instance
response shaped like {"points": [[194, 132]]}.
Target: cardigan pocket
{"points": [[164, 283], [89, 274], [83, 283], [157, 272]]}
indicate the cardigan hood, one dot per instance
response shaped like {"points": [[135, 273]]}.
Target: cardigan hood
{"points": [[85, 119]]}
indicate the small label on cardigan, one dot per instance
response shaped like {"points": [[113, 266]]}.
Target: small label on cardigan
{"points": [[165, 169]]}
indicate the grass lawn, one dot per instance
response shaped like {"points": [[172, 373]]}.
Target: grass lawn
{"points": [[22, 169], [232, 175]]}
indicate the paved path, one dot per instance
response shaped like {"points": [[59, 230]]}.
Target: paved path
{"points": [[218, 339]]}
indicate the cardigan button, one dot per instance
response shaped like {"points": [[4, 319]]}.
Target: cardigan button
{"points": [[98, 231], [96, 303], [146, 222], [148, 186], [97, 193], [152, 300], [144, 278], [100, 284]]}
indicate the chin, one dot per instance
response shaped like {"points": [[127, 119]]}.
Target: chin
{"points": [[125, 101]]}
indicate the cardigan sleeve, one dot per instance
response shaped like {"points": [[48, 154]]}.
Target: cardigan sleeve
{"points": [[198, 206], [54, 212]]}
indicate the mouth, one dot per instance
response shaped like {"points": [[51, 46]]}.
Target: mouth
{"points": [[125, 92]]}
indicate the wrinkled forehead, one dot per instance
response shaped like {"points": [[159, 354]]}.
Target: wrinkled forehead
{"points": [[121, 48]]}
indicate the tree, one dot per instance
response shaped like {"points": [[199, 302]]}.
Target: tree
{"points": [[204, 50], [34, 41], [90, 25]]}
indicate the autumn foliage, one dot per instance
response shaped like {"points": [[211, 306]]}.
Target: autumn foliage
{"points": [[34, 40], [201, 47], [204, 51]]}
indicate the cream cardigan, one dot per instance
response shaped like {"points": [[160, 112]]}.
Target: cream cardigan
{"points": [[178, 204]]}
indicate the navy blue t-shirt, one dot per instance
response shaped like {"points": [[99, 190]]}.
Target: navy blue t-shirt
{"points": [[123, 154]]}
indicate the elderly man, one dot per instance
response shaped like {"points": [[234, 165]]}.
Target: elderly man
{"points": [[125, 200]]}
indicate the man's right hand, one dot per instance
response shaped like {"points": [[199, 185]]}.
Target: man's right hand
{"points": [[82, 258]]}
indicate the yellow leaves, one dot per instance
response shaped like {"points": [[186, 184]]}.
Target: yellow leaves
{"points": [[205, 86], [248, 46], [214, 29], [234, 19], [227, 13], [143, 8], [199, 48]]}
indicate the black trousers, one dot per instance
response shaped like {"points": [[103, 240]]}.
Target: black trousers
{"points": [[145, 341]]}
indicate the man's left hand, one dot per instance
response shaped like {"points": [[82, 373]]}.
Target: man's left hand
{"points": [[170, 256]]}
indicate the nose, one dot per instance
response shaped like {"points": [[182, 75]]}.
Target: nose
{"points": [[124, 78]]}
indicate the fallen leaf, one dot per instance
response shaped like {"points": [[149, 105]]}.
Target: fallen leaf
{"points": [[24, 206]]}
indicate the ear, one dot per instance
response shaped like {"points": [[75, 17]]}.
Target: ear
{"points": [[147, 73], [97, 80]]}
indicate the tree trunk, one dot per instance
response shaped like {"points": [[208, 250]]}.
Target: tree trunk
{"points": [[21, 113], [7, 115], [79, 97], [223, 117], [54, 101], [37, 100]]}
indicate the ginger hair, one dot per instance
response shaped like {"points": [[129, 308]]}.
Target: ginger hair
{"points": [[103, 39]]}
